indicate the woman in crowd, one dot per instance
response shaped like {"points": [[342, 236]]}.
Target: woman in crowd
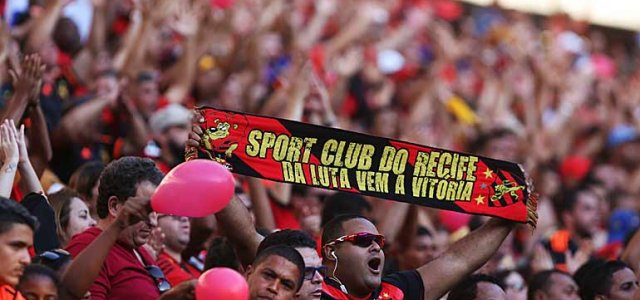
{"points": [[72, 214]]}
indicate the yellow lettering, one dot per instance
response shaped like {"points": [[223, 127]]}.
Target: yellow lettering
{"points": [[338, 160], [327, 158], [452, 186], [400, 185], [308, 143], [254, 147], [314, 177], [462, 167], [466, 193], [386, 162], [471, 170], [299, 173], [441, 192], [382, 182], [344, 179], [287, 172], [400, 161], [416, 186], [353, 153], [268, 141], [445, 160], [293, 153], [365, 158], [433, 160], [280, 147], [420, 168]]}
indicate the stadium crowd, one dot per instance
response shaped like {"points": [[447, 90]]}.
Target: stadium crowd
{"points": [[96, 99]]}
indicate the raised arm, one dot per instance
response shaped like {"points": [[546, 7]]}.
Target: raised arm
{"points": [[78, 125], [631, 254], [310, 35], [234, 219], [186, 24], [463, 258], [30, 179], [85, 267], [26, 82], [40, 151], [10, 159], [261, 207], [45, 24], [83, 61]]}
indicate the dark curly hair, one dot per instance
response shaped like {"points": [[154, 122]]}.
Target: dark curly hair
{"points": [[11, 212], [293, 238], [596, 277], [121, 178]]}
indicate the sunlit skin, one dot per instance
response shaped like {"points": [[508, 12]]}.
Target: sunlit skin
{"points": [[624, 285], [79, 218], [14, 253], [138, 234], [358, 268], [273, 278]]}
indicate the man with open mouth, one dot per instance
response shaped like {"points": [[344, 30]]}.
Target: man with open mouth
{"points": [[352, 252]]}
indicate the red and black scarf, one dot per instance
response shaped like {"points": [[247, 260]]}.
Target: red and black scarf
{"points": [[299, 153]]}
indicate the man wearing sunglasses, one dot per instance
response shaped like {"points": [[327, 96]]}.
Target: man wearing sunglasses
{"points": [[16, 236], [314, 271], [248, 242], [352, 251]]}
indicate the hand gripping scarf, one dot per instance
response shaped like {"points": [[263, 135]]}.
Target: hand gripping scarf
{"points": [[316, 156]]}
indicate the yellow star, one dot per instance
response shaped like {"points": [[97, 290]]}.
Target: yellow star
{"points": [[488, 174], [479, 200]]}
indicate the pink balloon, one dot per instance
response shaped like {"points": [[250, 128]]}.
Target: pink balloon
{"points": [[223, 4], [196, 188], [222, 283]]}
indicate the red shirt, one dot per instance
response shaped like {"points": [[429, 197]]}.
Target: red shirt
{"points": [[174, 271], [284, 216], [9, 293], [123, 276]]}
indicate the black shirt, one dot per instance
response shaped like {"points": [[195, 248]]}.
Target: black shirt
{"points": [[407, 283]]}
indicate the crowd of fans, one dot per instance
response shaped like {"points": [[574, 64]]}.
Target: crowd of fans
{"points": [[96, 100]]}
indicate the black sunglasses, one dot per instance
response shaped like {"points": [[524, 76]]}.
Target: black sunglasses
{"points": [[158, 276], [361, 239], [309, 272]]}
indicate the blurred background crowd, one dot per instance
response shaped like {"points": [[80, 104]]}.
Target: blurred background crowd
{"points": [[118, 78]]}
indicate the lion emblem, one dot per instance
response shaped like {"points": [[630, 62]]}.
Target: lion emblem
{"points": [[222, 135], [507, 187]]}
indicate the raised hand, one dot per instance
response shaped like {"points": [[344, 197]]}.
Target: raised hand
{"points": [[326, 7], [27, 79], [349, 63], [22, 145], [9, 143], [187, 18], [134, 210]]}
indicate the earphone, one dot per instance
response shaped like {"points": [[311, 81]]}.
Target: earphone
{"points": [[333, 276]]}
